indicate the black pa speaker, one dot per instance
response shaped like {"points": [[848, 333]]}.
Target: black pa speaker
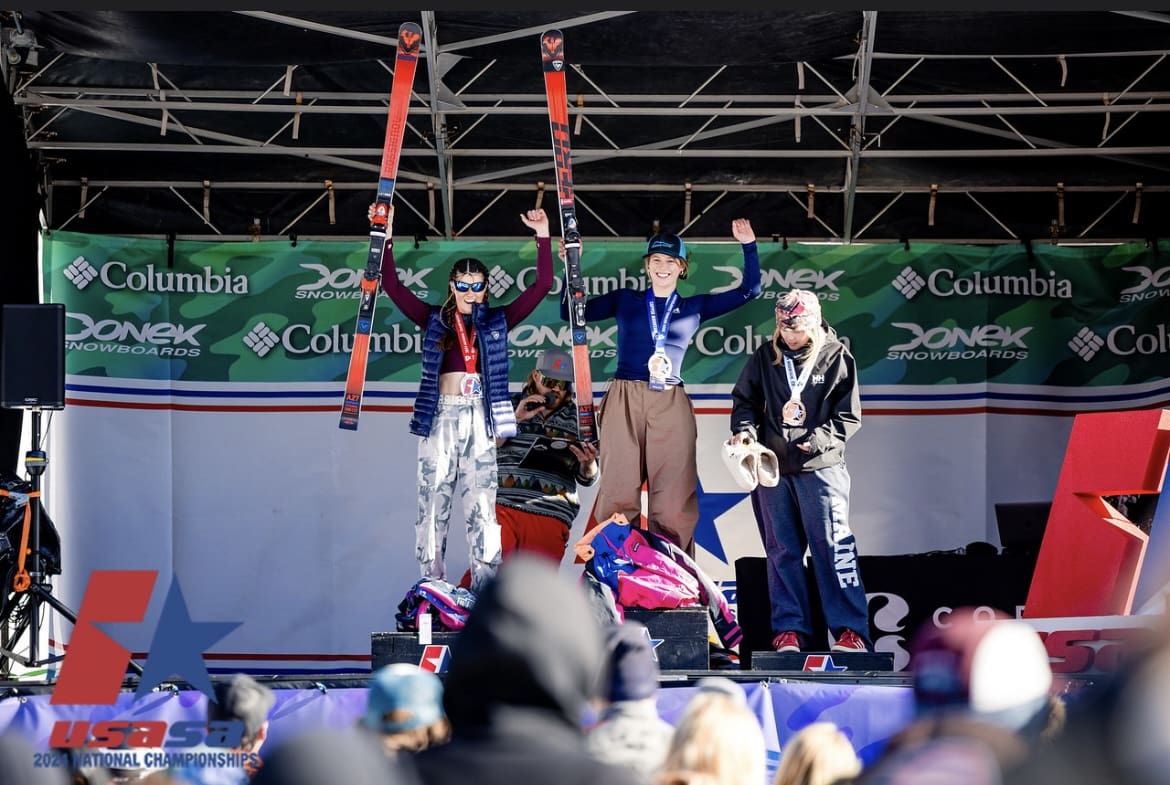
{"points": [[32, 356]]}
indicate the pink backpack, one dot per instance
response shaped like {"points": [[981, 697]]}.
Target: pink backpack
{"points": [[645, 570], [640, 575]]}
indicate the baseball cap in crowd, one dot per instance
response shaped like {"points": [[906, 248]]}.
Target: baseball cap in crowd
{"points": [[555, 364], [721, 685], [632, 666], [669, 244], [242, 698], [402, 697], [799, 308]]}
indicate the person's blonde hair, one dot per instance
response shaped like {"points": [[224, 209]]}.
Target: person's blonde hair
{"points": [[819, 754], [717, 740], [818, 340], [807, 312]]}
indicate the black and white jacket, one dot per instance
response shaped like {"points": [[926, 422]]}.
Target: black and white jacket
{"points": [[831, 398]]}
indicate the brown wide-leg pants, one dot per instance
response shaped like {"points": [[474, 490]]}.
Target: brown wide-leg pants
{"points": [[648, 436]]}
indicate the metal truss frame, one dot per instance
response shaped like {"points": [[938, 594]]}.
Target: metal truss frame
{"points": [[184, 120]]}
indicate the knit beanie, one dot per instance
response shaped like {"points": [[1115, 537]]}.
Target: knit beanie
{"points": [[632, 663]]}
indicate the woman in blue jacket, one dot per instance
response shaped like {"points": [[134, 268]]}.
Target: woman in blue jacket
{"points": [[463, 404], [647, 430]]}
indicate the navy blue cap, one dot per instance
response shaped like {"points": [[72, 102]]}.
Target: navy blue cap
{"points": [[669, 244]]}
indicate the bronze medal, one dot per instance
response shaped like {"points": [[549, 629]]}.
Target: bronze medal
{"points": [[793, 413]]}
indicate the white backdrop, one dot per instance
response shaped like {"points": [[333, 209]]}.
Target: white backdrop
{"points": [[304, 532]]}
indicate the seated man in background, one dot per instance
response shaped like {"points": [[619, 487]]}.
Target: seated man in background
{"points": [[542, 465]]}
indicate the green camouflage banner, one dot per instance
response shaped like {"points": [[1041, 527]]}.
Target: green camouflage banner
{"points": [[931, 315]]}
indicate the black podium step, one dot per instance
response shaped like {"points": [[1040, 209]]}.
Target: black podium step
{"points": [[388, 647], [679, 636], [828, 661]]}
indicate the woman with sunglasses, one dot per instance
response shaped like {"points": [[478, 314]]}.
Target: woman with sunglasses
{"points": [[463, 404], [646, 421]]}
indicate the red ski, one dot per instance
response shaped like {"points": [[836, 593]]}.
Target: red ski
{"points": [[552, 51], [406, 61]]}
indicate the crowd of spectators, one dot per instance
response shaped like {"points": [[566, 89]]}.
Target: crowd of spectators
{"points": [[537, 691]]}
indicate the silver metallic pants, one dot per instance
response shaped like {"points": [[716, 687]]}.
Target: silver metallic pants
{"points": [[459, 447]]}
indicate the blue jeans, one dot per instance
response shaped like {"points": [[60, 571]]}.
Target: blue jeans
{"points": [[811, 509]]}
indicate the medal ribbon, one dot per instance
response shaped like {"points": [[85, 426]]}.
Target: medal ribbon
{"points": [[659, 335], [796, 384], [466, 344]]}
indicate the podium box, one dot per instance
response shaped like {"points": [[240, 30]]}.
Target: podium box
{"points": [[822, 662], [683, 632], [388, 647], [680, 635]]}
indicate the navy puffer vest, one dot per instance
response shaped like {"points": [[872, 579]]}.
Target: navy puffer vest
{"points": [[491, 333]]}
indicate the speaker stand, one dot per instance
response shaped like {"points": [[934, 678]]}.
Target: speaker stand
{"points": [[40, 590]]}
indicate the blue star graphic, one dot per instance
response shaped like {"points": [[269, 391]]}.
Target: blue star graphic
{"points": [[711, 506], [178, 645], [654, 643]]}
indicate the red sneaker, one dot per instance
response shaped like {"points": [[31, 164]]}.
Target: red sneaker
{"points": [[786, 641], [849, 641]]}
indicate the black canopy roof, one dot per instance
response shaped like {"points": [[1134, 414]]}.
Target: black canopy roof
{"points": [[1023, 125]]}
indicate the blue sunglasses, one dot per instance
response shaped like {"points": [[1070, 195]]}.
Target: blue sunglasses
{"points": [[463, 286]]}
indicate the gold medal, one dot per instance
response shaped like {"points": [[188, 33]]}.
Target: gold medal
{"points": [[793, 413]]}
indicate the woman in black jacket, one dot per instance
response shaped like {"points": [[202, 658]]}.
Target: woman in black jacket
{"points": [[798, 396]]}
